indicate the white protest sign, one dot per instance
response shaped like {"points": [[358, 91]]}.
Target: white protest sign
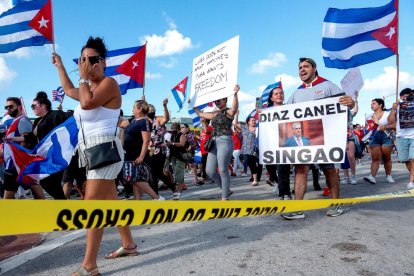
{"points": [[321, 126], [215, 73], [352, 82]]}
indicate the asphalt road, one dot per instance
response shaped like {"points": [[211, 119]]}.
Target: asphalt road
{"points": [[368, 239]]}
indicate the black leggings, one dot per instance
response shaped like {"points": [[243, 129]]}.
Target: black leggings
{"points": [[157, 171], [52, 185], [204, 162], [254, 166], [280, 174]]}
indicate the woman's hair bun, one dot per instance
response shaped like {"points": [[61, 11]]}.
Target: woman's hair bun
{"points": [[41, 95]]}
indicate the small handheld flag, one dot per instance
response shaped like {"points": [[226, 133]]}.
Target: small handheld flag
{"points": [[29, 23], [179, 92], [58, 94]]}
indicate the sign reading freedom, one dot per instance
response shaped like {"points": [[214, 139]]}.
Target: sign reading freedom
{"points": [[215, 73], [322, 126]]}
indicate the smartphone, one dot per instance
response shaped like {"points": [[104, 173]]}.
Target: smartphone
{"points": [[258, 102]]}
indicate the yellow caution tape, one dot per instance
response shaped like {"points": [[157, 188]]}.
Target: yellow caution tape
{"points": [[31, 216]]}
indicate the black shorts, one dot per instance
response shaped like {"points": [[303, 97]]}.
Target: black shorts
{"points": [[10, 182], [73, 172]]}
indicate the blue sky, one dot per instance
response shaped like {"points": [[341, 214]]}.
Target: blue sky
{"points": [[273, 35]]}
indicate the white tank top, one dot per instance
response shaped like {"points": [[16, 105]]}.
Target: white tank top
{"points": [[98, 121]]}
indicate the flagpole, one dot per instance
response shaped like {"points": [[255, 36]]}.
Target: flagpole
{"points": [[53, 28], [145, 65], [397, 56]]}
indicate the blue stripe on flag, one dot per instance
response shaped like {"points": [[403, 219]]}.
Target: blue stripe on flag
{"points": [[177, 98], [357, 60], [32, 41], [358, 15], [25, 6], [14, 28]]}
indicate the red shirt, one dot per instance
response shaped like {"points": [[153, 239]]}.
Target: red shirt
{"points": [[236, 140], [204, 135], [359, 134]]}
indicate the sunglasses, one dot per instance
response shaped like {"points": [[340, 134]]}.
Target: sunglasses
{"points": [[216, 101], [92, 59], [9, 106]]}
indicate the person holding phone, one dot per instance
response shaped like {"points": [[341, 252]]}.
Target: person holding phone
{"points": [[99, 109]]}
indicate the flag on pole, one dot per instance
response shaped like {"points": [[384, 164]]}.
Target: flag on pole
{"points": [[23, 107], [126, 66], [52, 154], [266, 92], [194, 117], [27, 24], [179, 92], [354, 37], [58, 94]]}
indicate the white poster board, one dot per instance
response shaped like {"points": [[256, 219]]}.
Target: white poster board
{"points": [[215, 73], [323, 130], [352, 82]]}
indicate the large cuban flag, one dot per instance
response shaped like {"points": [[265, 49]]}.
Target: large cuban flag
{"points": [[126, 66], [29, 23], [52, 154], [179, 92], [354, 37]]}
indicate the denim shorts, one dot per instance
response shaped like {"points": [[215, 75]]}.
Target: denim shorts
{"points": [[405, 148], [380, 138]]}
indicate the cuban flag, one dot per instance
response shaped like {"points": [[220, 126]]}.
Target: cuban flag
{"points": [[354, 37], [266, 92], [58, 94], [29, 23], [52, 154], [194, 117], [126, 66], [179, 92]]}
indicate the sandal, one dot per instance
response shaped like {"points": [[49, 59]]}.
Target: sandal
{"points": [[81, 271], [122, 252]]}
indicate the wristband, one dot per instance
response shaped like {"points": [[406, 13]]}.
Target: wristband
{"points": [[83, 81]]}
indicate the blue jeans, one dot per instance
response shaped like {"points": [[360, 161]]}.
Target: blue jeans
{"points": [[220, 154]]}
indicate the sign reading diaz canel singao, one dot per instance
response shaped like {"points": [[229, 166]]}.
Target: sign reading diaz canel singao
{"points": [[303, 133], [215, 73]]}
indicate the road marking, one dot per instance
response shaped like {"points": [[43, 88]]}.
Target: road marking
{"points": [[19, 259]]}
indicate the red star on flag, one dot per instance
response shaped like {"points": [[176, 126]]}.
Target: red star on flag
{"points": [[134, 67], [388, 35], [42, 21]]}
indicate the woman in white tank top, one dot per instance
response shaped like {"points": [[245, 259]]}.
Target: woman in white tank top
{"points": [[100, 102]]}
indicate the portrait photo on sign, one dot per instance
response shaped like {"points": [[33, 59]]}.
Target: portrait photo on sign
{"points": [[301, 133]]}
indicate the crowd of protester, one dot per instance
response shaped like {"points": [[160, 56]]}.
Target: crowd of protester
{"points": [[155, 153]]}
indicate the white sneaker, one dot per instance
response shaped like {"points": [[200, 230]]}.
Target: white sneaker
{"points": [[160, 198], [353, 180], [389, 179], [370, 179], [410, 186], [243, 174], [275, 189], [345, 181]]}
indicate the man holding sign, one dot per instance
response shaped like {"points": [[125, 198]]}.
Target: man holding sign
{"points": [[314, 88]]}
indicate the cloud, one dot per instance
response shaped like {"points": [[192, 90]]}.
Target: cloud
{"points": [[288, 82], [172, 42], [152, 76], [384, 84], [170, 21], [247, 103], [6, 74], [20, 53], [273, 60], [169, 64]]}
